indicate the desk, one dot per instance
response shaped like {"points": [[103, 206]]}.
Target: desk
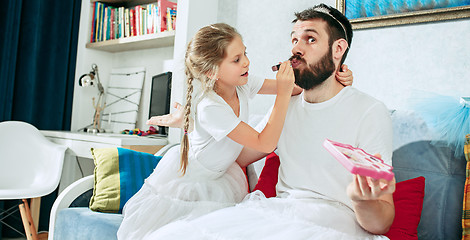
{"points": [[79, 144]]}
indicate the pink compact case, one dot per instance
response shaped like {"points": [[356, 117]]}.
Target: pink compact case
{"points": [[357, 161]]}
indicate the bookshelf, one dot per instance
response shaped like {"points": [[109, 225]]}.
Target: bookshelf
{"points": [[191, 15], [131, 43], [156, 40]]}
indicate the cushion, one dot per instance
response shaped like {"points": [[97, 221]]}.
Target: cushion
{"points": [[408, 198], [445, 182], [268, 178], [119, 174]]}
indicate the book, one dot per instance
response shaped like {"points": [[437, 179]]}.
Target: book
{"points": [[101, 20], [132, 22], [163, 6], [127, 23], [172, 19], [111, 22], [93, 23], [122, 23]]}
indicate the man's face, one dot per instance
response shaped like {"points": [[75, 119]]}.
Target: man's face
{"points": [[312, 55]]}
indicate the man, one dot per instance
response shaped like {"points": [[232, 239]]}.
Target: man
{"points": [[317, 198]]}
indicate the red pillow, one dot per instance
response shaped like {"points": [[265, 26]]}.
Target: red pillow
{"points": [[408, 198], [268, 178]]}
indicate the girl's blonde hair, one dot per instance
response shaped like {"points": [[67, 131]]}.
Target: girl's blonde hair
{"points": [[204, 54]]}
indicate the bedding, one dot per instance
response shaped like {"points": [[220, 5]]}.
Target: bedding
{"points": [[408, 198]]}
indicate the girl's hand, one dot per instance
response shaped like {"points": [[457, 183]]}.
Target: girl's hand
{"points": [[345, 76], [174, 119], [285, 79]]}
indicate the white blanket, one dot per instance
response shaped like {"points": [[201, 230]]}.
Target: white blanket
{"points": [[258, 217]]}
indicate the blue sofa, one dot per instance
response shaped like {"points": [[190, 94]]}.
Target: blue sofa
{"points": [[416, 153]]}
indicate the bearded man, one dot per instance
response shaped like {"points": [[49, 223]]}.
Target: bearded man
{"points": [[317, 198]]}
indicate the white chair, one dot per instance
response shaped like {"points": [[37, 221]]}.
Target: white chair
{"points": [[30, 167]]}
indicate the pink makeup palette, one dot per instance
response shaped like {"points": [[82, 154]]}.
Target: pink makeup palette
{"points": [[357, 161]]}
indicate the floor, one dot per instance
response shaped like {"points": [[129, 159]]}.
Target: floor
{"points": [[41, 236]]}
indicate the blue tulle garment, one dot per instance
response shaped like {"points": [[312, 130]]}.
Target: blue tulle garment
{"points": [[447, 116]]}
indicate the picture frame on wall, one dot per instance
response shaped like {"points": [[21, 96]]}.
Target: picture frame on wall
{"points": [[382, 13]]}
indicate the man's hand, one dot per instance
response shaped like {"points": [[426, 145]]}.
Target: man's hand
{"points": [[174, 119], [345, 76], [367, 188], [373, 202]]}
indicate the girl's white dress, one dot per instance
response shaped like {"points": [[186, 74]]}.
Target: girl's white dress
{"points": [[213, 179]]}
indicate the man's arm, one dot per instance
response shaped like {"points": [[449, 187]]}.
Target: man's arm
{"points": [[372, 199]]}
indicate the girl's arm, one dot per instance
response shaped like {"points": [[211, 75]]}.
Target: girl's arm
{"points": [[248, 156], [345, 77], [269, 87], [266, 141], [175, 119]]}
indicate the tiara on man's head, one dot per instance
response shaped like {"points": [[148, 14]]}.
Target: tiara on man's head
{"points": [[326, 11]]}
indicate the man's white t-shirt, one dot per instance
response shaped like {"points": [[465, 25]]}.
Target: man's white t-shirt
{"points": [[351, 117], [213, 120]]}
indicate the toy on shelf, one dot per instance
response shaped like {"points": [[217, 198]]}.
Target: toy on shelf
{"points": [[138, 132]]}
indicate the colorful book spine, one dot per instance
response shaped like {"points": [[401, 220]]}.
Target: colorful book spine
{"points": [[93, 23], [127, 23], [97, 24], [144, 21], [101, 30], [122, 22], [132, 22]]}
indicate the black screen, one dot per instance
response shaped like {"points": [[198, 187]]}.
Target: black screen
{"points": [[160, 97]]}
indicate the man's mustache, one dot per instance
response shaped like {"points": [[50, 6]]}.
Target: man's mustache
{"points": [[297, 57]]}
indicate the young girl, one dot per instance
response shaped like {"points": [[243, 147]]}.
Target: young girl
{"points": [[203, 176]]}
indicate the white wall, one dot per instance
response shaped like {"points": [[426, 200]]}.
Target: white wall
{"points": [[393, 63], [387, 63], [265, 26], [191, 16], [82, 110], [155, 60]]}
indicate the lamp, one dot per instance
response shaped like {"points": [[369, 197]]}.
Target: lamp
{"points": [[91, 79]]}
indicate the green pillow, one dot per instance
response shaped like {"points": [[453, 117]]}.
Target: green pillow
{"points": [[119, 174]]}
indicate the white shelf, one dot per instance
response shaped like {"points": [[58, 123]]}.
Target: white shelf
{"points": [[162, 39]]}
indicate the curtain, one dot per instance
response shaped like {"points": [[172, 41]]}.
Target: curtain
{"points": [[38, 51], [37, 61]]}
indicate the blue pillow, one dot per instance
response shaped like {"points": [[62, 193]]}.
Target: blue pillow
{"points": [[119, 174]]}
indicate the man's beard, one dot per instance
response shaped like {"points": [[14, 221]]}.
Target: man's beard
{"points": [[314, 74]]}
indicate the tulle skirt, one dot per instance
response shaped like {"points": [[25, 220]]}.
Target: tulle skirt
{"points": [[446, 115], [271, 218], [167, 196]]}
